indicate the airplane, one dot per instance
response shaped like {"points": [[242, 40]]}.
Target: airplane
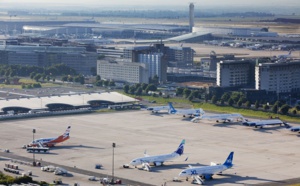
{"points": [[158, 108], [185, 112], [293, 129], [50, 142], [284, 56], [158, 160], [266, 122], [201, 173], [220, 117]]}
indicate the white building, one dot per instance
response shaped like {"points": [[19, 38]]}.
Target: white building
{"points": [[233, 73], [281, 77], [155, 63], [123, 71]]}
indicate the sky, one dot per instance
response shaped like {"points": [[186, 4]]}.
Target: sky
{"points": [[286, 7], [164, 2]]}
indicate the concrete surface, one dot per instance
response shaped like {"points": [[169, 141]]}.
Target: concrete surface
{"points": [[261, 155]]}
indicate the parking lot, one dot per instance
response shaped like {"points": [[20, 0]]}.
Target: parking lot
{"points": [[261, 155]]}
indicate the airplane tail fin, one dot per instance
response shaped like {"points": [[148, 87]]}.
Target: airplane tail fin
{"points": [[228, 162], [67, 132], [180, 149], [172, 110]]}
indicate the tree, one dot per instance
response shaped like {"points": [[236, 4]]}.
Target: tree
{"points": [[274, 108], [105, 83], [230, 102], [112, 83], [248, 104], [294, 112], [126, 89], [222, 102], [297, 107], [191, 97], [70, 79], [256, 105], [131, 89], [225, 96], [139, 91], [266, 107], [214, 100], [64, 78], [239, 103], [37, 77], [186, 92], [179, 91], [98, 78], [144, 86], [99, 84], [151, 87], [285, 109]]}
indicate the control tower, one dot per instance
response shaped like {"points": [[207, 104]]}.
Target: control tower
{"points": [[191, 7]]}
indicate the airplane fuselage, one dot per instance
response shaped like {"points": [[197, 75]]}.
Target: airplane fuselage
{"points": [[159, 159], [201, 171]]}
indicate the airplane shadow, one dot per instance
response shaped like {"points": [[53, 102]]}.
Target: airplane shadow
{"points": [[235, 179], [267, 129], [74, 147]]}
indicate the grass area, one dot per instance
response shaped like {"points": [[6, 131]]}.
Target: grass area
{"points": [[221, 109]]}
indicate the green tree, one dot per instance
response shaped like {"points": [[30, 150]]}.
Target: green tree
{"points": [[179, 91], [274, 108], [93, 71], [37, 77], [225, 96], [105, 83], [144, 86], [70, 78], [256, 105], [131, 89], [186, 92], [126, 88], [112, 83], [64, 78], [139, 91], [99, 84], [266, 107], [285, 109], [98, 78], [214, 99], [248, 104], [230, 102], [151, 87], [239, 103]]}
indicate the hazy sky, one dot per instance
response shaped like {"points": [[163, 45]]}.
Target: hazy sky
{"points": [[164, 2]]}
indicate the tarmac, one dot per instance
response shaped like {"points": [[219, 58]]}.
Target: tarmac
{"points": [[262, 156]]}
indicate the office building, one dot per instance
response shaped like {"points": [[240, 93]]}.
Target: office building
{"points": [[123, 71], [234, 73], [280, 77], [43, 56]]}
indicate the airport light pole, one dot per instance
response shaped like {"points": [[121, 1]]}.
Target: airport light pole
{"points": [[33, 155], [113, 161]]}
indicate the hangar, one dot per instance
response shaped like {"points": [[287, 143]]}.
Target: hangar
{"points": [[64, 102]]}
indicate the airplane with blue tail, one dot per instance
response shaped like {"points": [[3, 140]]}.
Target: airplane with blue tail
{"points": [[158, 160], [199, 174], [185, 112]]}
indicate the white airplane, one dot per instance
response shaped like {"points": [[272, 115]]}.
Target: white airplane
{"points": [[186, 112], [284, 56], [158, 108], [266, 122], [206, 172], [158, 160], [293, 129], [50, 142], [220, 117]]}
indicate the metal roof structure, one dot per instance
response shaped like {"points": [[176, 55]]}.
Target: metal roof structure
{"points": [[78, 99]]}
